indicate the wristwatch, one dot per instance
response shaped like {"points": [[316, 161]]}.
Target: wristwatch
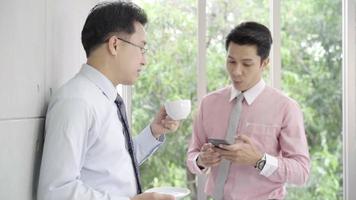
{"points": [[260, 164]]}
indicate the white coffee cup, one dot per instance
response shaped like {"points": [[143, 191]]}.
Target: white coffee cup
{"points": [[178, 109]]}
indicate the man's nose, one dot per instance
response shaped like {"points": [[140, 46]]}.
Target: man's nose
{"points": [[237, 70]]}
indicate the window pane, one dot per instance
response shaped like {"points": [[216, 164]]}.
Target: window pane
{"points": [[312, 74], [222, 16], [169, 75]]}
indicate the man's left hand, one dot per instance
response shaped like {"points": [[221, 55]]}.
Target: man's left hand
{"points": [[243, 152], [163, 124]]}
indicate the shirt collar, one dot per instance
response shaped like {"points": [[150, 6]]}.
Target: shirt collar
{"points": [[251, 94], [100, 80]]}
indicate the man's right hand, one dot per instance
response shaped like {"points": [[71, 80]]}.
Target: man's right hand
{"points": [[208, 157], [153, 196]]}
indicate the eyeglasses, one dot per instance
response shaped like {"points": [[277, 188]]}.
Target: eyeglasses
{"points": [[143, 49]]}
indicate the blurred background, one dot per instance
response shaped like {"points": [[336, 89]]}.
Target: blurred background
{"points": [[313, 62]]}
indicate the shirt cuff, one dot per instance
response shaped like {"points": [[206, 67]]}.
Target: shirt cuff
{"points": [[146, 144], [270, 166], [150, 138], [205, 170]]}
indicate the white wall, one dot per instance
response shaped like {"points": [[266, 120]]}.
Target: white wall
{"points": [[40, 49]]}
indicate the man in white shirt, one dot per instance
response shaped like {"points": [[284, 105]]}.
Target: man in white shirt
{"points": [[88, 151]]}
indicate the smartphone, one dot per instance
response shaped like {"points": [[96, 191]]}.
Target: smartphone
{"points": [[217, 142]]}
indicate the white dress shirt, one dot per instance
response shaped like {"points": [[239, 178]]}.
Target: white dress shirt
{"points": [[85, 155]]}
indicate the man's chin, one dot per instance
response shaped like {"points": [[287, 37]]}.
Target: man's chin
{"points": [[129, 82], [238, 87]]}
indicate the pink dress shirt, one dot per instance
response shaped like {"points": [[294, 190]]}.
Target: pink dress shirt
{"points": [[274, 122]]}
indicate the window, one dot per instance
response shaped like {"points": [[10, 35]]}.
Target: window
{"points": [[170, 75], [349, 97], [311, 49], [311, 39]]}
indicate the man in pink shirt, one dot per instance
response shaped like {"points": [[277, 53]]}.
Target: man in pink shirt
{"points": [[270, 147]]}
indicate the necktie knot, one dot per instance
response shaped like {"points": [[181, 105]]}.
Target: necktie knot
{"points": [[119, 100], [240, 97]]}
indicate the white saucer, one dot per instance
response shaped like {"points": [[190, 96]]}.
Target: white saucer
{"points": [[174, 191]]}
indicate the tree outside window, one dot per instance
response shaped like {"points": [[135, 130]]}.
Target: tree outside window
{"points": [[311, 74]]}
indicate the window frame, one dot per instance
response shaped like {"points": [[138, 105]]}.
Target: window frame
{"points": [[349, 83], [349, 98]]}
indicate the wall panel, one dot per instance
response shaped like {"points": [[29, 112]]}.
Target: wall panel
{"points": [[20, 142]]}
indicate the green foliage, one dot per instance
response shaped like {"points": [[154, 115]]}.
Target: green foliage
{"points": [[311, 38], [170, 74], [311, 63]]}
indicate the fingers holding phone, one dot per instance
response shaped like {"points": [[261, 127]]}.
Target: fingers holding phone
{"points": [[208, 157], [244, 151], [218, 142]]}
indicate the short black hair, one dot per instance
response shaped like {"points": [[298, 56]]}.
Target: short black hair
{"points": [[110, 17], [251, 33]]}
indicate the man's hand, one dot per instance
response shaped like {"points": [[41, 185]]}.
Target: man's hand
{"points": [[163, 124], [208, 157], [242, 152], [153, 196]]}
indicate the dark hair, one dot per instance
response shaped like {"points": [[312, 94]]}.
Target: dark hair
{"points": [[107, 18], [251, 33]]}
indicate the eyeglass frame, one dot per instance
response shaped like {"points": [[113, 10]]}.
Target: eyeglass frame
{"points": [[143, 49]]}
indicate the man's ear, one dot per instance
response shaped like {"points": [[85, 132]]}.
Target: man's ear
{"points": [[112, 45], [265, 63]]}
